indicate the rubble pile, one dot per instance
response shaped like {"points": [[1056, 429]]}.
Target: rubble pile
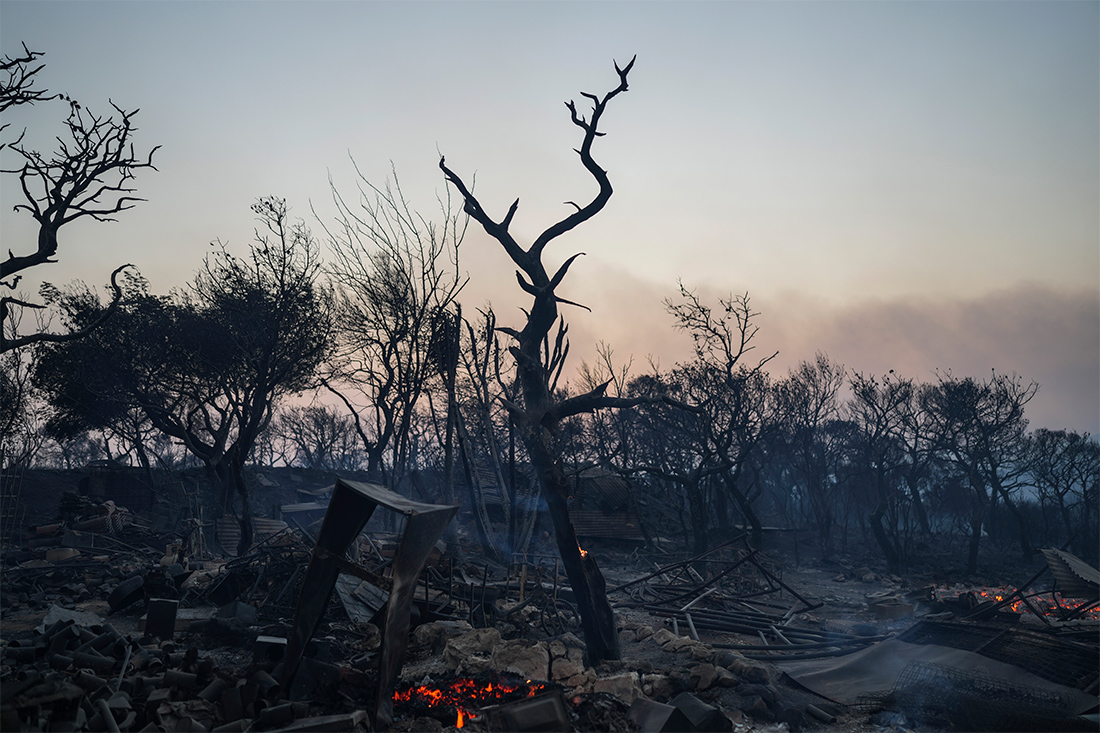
{"points": [[73, 675], [109, 626]]}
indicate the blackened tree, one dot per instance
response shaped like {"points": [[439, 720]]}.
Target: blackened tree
{"points": [[1065, 467], [320, 437], [207, 366], [981, 429], [396, 275], [539, 359], [89, 176], [733, 396], [815, 437], [877, 411]]}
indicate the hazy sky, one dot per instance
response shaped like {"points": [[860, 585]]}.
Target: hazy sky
{"points": [[908, 186]]}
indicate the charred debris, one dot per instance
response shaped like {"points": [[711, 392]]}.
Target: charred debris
{"points": [[360, 609]]}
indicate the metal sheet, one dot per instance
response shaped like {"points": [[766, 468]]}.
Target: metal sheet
{"points": [[352, 505], [1076, 578], [361, 600], [845, 679]]}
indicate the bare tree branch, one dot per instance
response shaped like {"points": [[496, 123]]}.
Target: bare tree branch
{"points": [[18, 342], [88, 175]]}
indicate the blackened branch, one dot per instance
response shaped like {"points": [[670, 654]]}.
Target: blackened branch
{"points": [[88, 176], [591, 132], [473, 207], [7, 344], [560, 274]]}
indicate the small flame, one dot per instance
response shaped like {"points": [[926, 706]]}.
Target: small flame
{"points": [[458, 724], [584, 552]]}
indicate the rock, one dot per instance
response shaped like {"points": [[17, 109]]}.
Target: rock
{"points": [[701, 652], [866, 575], [643, 632], [727, 678], [724, 658], [472, 643], [755, 706], [436, 634], [703, 676], [474, 664], [572, 641], [658, 687], [676, 643], [578, 680], [563, 668], [626, 686], [627, 635], [519, 656], [750, 671], [662, 636], [557, 649], [609, 667], [679, 677], [765, 692]]}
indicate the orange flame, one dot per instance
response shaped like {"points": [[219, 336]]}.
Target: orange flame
{"points": [[584, 552]]}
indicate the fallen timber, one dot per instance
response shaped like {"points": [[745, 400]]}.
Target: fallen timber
{"points": [[797, 643], [669, 594]]}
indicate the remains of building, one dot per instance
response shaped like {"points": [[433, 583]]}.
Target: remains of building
{"points": [[343, 617]]}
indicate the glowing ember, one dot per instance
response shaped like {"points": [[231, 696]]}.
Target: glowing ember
{"points": [[1040, 601], [584, 552], [464, 696]]}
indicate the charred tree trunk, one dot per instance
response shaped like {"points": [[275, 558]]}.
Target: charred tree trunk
{"points": [[539, 362], [589, 588], [1023, 533], [918, 504], [893, 560], [975, 542], [236, 473], [477, 500], [744, 505]]}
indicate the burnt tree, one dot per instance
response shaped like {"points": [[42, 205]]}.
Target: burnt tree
{"points": [[539, 360], [88, 176], [209, 365]]}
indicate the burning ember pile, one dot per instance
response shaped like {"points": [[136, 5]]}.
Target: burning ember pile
{"points": [[456, 701], [1037, 603]]}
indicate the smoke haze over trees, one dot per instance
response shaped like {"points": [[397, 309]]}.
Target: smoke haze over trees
{"points": [[351, 352]]}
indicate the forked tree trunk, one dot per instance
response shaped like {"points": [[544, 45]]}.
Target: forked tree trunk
{"points": [[540, 411]]}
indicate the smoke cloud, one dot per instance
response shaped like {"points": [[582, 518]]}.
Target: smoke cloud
{"points": [[1044, 334]]}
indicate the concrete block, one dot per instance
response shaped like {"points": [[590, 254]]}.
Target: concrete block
{"points": [[269, 649]]}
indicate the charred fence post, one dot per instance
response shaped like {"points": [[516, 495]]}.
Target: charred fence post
{"points": [[353, 503]]}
